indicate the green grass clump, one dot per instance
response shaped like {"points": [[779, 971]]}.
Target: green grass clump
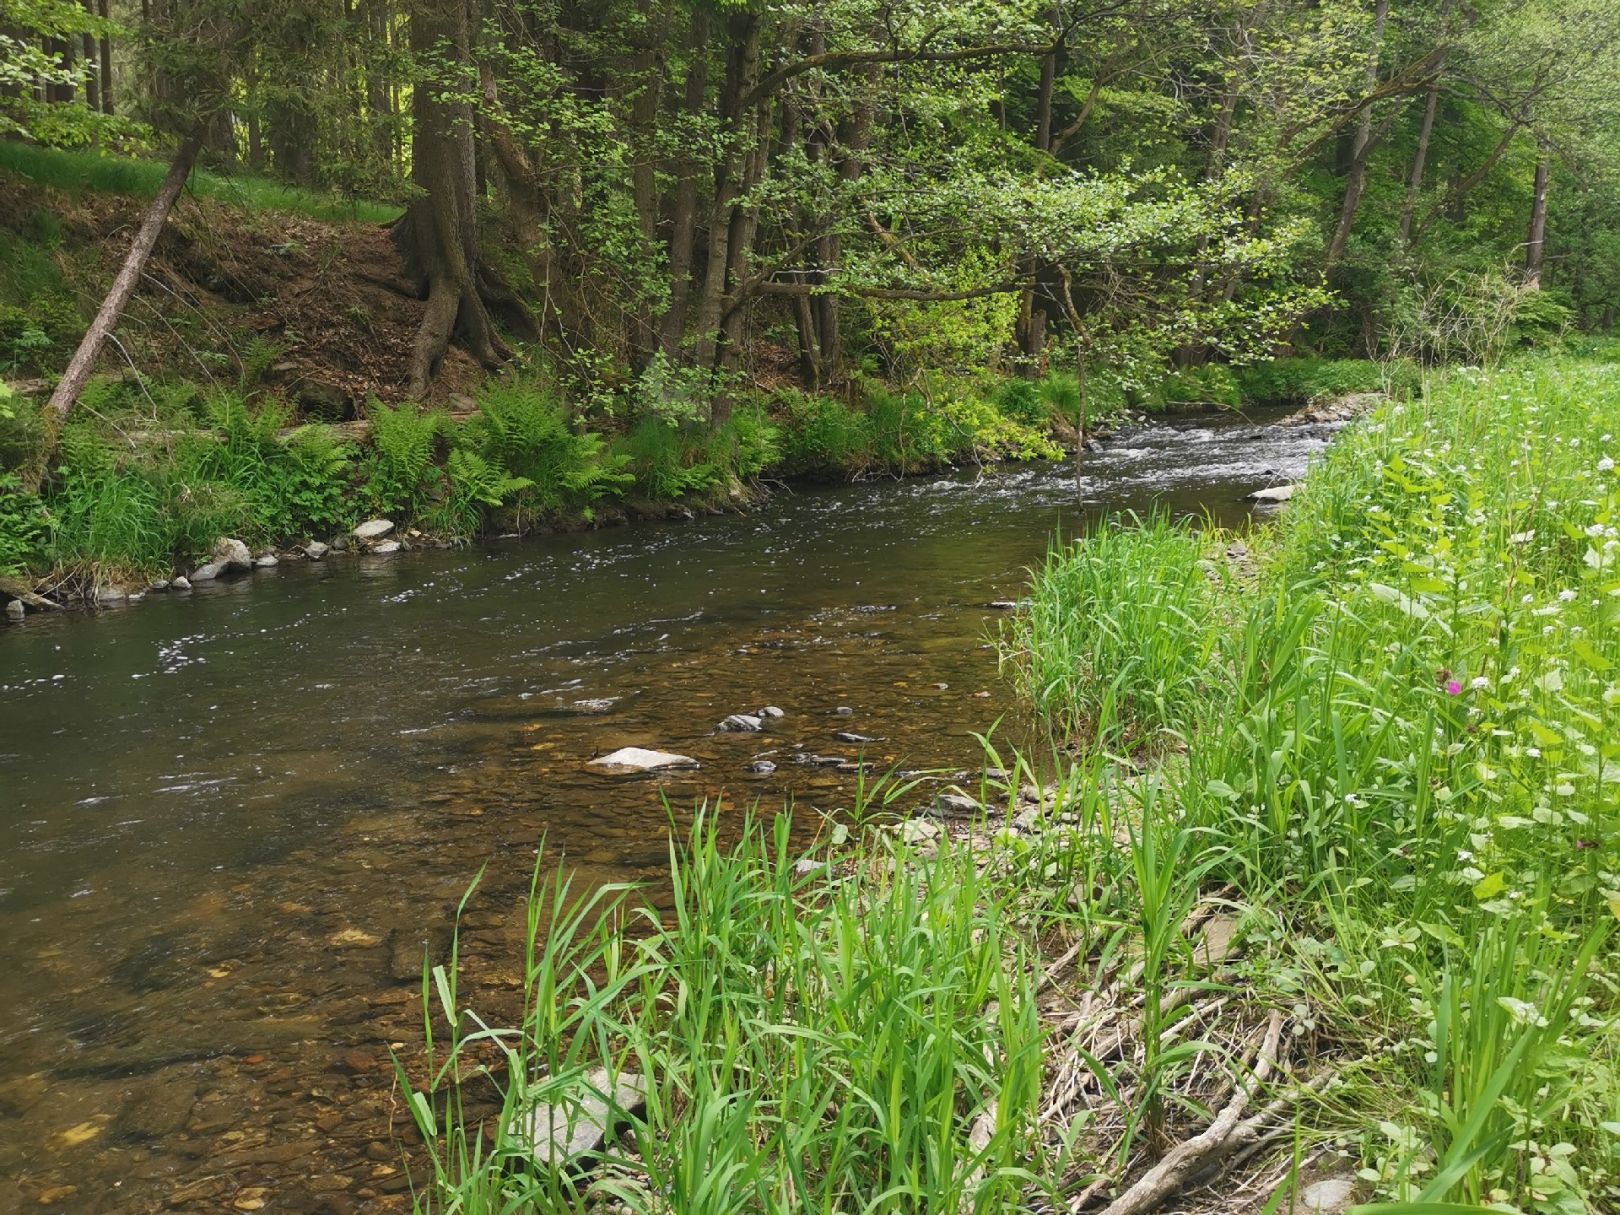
{"points": [[1405, 745], [1119, 629], [810, 1042], [78, 171]]}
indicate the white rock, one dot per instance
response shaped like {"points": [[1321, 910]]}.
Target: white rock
{"points": [[268, 561], [580, 1120], [162, 584], [181, 583], [15, 609], [918, 831], [741, 723], [770, 711], [640, 759], [385, 548], [373, 529], [231, 555], [1274, 493], [315, 550], [206, 573], [1330, 1196]]}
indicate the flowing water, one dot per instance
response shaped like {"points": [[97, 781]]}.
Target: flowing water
{"points": [[229, 819]]}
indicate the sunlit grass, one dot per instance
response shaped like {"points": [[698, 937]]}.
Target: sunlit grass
{"points": [[79, 171]]}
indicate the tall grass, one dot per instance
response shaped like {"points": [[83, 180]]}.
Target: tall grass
{"points": [[76, 171], [1400, 737], [812, 1041]]}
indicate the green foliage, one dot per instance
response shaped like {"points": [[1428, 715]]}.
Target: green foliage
{"points": [[24, 527], [77, 171], [1295, 381], [1210, 384], [1118, 629], [474, 487], [822, 435], [400, 474], [523, 429], [1401, 734], [669, 461], [810, 1043]]}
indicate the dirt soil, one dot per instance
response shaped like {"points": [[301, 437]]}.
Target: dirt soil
{"points": [[322, 312]]}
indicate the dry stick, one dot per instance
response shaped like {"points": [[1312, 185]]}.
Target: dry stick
{"points": [[1186, 1158], [84, 359]]}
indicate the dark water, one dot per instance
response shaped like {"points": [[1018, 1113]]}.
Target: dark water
{"points": [[226, 817]]}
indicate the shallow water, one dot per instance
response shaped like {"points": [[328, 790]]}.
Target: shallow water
{"points": [[225, 817]]}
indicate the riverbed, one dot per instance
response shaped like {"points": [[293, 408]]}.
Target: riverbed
{"points": [[229, 819]]}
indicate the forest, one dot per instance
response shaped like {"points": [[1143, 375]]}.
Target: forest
{"points": [[1103, 700]]}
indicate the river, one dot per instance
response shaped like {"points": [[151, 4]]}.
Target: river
{"points": [[227, 817]]}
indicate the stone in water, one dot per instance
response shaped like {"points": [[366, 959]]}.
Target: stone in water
{"points": [[640, 759], [580, 1121], [373, 529]]}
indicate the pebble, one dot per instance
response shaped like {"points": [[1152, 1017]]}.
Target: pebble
{"points": [[182, 583], [762, 767], [770, 711], [843, 711], [741, 723]]}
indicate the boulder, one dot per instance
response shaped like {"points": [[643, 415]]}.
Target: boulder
{"points": [[266, 562], [770, 711], [1274, 493], [957, 805], [373, 529], [111, 596], [232, 556], [206, 573], [315, 550], [741, 723], [15, 610], [386, 548], [564, 1131], [180, 583], [162, 584], [1330, 1196], [640, 759]]}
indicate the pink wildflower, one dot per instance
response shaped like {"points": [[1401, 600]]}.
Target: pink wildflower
{"points": [[1453, 688]]}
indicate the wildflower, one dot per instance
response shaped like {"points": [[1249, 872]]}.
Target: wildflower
{"points": [[1605, 465], [1453, 688], [1566, 596], [1479, 683]]}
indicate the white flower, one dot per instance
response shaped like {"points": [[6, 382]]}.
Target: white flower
{"points": [[1566, 595], [1606, 465], [1479, 683]]}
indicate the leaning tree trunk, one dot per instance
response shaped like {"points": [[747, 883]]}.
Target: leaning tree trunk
{"points": [[438, 234], [1420, 158], [84, 359]]}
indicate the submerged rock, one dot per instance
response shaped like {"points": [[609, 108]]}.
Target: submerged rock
{"points": [[762, 767], [386, 548], [770, 711], [741, 723], [850, 736], [579, 1122], [268, 561], [15, 610], [373, 529], [640, 759]]}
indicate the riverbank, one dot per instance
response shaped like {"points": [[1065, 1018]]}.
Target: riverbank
{"points": [[1319, 913]]}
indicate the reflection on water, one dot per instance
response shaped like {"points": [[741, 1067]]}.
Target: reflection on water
{"points": [[228, 820]]}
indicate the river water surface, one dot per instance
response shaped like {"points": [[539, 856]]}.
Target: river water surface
{"points": [[228, 819]]}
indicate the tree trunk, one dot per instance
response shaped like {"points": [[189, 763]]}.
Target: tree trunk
{"points": [[1030, 334], [1535, 248], [92, 74], [1420, 157], [438, 234], [1361, 148], [112, 308], [106, 63], [683, 221]]}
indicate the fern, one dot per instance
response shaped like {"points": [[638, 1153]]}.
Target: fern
{"points": [[525, 431], [475, 486], [402, 471]]}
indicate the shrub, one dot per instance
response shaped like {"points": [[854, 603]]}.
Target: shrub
{"points": [[669, 461], [400, 472], [1296, 381], [823, 436], [24, 527], [522, 428]]}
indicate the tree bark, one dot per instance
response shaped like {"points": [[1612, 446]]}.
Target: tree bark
{"points": [[1361, 148], [1420, 157], [1535, 249], [106, 62], [107, 316], [438, 234], [683, 220]]}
